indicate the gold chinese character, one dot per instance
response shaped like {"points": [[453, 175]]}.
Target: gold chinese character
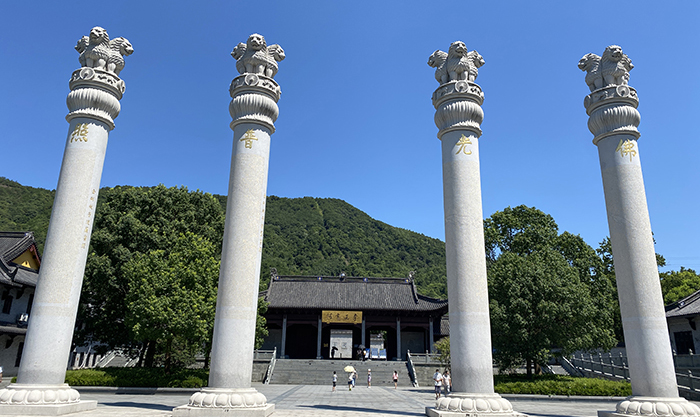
{"points": [[248, 138], [79, 133], [463, 141], [626, 147]]}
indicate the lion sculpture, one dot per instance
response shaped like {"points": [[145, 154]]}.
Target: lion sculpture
{"points": [[437, 60], [591, 64], [458, 64], [255, 57], [94, 50], [120, 47], [475, 62], [457, 61], [97, 51], [610, 70], [615, 66]]}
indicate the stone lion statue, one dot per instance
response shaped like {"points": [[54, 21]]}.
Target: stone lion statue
{"points": [[591, 64], [97, 51], [255, 57], [612, 69], [615, 66], [457, 64], [94, 50], [120, 47], [475, 62], [457, 61], [437, 60]]}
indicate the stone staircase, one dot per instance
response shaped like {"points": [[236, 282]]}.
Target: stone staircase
{"points": [[320, 372]]}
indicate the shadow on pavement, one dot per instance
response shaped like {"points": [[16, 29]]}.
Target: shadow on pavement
{"points": [[360, 409], [161, 407]]}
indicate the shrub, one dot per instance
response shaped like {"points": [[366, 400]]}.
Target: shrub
{"points": [[560, 385]]}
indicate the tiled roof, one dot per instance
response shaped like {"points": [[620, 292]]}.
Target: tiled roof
{"points": [[349, 293], [12, 245], [688, 306]]}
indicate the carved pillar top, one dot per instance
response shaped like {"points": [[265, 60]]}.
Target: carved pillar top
{"points": [[458, 100], [96, 87], [254, 93], [612, 103]]}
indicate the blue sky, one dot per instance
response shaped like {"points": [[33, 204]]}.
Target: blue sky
{"points": [[356, 119]]}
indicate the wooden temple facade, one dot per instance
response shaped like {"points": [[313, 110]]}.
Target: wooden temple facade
{"points": [[321, 316]]}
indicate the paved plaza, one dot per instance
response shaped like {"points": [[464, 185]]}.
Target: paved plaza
{"points": [[318, 400]]}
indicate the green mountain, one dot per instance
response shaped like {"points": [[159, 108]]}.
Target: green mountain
{"points": [[303, 236]]}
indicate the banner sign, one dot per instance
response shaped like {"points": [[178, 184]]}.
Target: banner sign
{"points": [[333, 316]]}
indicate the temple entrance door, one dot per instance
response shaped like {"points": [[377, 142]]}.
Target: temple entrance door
{"points": [[301, 341]]}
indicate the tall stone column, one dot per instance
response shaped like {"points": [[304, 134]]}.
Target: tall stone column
{"points": [[458, 117], [94, 104], [254, 110], [612, 107]]}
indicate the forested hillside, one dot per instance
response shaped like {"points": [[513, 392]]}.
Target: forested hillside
{"points": [[25, 209], [311, 236]]}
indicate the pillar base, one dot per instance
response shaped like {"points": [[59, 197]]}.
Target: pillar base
{"points": [[472, 405], [42, 400], [652, 406], [246, 402]]}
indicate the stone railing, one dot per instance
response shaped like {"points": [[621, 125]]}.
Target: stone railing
{"points": [[270, 366], [411, 368], [425, 357], [613, 367]]}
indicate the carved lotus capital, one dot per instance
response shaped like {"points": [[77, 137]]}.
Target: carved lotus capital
{"points": [[612, 111], [475, 404], [458, 107], [254, 100], [227, 398], [95, 94], [25, 394], [654, 406]]}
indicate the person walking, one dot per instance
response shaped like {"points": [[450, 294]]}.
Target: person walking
{"points": [[437, 378], [335, 381], [369, 378], [395, 377], [354, 378], [447, 381], [350, 381]]}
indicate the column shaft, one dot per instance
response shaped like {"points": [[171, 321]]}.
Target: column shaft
{"points": [[399, 356], [284, 336], [652, 372], [318, 339]]}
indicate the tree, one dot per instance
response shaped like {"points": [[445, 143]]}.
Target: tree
{"points": [[678, 285], [443, 348], [546, 290], [172, 298], [131, 222]]}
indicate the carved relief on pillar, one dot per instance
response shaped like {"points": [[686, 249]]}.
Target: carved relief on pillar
{"points": [[476, 404], [652, 407], [255, 93], [96, 87], [612, 104], [227, 398]]}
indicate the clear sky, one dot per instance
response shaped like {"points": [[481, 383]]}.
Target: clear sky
{"points": [[356, 118]]}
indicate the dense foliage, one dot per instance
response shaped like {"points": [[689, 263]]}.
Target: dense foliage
{"points": [[560, 385], [138, 377], [678, 285], [25, 209], [324, 236], [546, 290]]}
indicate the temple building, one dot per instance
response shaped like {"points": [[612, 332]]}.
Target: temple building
{"points": [[327, 317], [19, 272]]}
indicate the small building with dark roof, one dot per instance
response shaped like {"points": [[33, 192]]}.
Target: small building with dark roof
{"points": [[683, 318], [309, 316], [19, 272]]}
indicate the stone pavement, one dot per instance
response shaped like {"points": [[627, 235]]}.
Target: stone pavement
{"points": [[318, 400]]}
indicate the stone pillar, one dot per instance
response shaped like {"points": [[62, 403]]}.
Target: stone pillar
{"points": [[458, 117], [318, 338], [284, 337], [94, 104], [431, 336], [399, 356], [254, 110], [364, 331], [612, 107]]}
